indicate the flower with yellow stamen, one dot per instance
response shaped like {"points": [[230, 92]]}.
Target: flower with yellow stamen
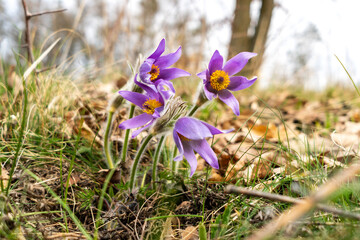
{"points": [[154, 72], [150, 105], [219, 80], [157, 72]]}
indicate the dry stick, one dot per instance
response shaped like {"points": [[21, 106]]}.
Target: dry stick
{"points": [[28, 16], [287, 199], [37, 71], [308, 203], [46, 12]]}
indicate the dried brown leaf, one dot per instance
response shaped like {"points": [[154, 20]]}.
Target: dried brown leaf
{"points": [[215, 176], [190, 233]]}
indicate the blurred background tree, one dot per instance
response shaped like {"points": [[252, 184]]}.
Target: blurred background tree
{"points": [[249, 34]]}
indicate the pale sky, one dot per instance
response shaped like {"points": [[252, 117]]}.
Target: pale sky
{"points": [[335, 22]]}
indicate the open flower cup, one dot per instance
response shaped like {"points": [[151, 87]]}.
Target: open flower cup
{"points": [[155, 70], [218, 79], [151, 103], [190, 135]]}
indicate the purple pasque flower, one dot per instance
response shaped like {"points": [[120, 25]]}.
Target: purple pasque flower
{"points": [[155, 69], [151, 103], [189, 134], [219, 79]]}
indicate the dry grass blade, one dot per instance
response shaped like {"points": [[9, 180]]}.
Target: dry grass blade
{"points": [[307, 204], [42, 56]]}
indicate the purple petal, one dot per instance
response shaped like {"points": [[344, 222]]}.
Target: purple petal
{"points": [[159, 50], [166, 88], [179, 157], [239, 82], [135, 122], [157, 112], [178, 145], [214, 130], [235, 64], [216, 62], [135, 133], [190, 157], [150, 90], [172, 73], [168, 60], [144, 70], [207, 90], [192, 128], [205, 151], [202, 74], [134, 97], [228, 98]]}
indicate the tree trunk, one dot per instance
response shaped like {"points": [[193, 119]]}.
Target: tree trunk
{"points": [[240, 39]]}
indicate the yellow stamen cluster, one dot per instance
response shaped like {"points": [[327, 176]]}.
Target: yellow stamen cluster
{"points": [[154, 72], [219, 80], [183, 138], [150, 105]]}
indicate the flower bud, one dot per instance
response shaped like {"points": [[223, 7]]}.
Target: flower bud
{"points": [[175, 108]]}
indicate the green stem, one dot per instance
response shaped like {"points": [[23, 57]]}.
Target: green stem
{"points": [[156, 160], [107, 149], [20, 139], [127, 135], [174, 165], [193, 110], [101, 202], [136, 160], [72, 161]]}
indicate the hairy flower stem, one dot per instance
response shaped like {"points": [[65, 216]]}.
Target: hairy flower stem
{"points": [[156, 160], [127, 134], [193, 110], [137, 158], [174, 165], [109, 159]]}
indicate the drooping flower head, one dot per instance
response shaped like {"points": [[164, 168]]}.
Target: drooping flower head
{"points": [[151, 103], [218, 79], [190, 135], [155, 69]]}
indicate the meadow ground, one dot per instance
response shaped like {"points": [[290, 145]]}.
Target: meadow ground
{"points": [[286, 141]]}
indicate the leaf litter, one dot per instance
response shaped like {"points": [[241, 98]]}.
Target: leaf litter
{"points": [[272, 140]]}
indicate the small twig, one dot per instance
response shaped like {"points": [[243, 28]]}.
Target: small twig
{"points": [[64, 235], [46, 12], [130, 231], [27, 33], [287, 199], [28, 16], [306, 205], [37, 71]]}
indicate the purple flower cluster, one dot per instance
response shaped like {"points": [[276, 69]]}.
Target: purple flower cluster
{"points": [[219, 79], [189, 134]]}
